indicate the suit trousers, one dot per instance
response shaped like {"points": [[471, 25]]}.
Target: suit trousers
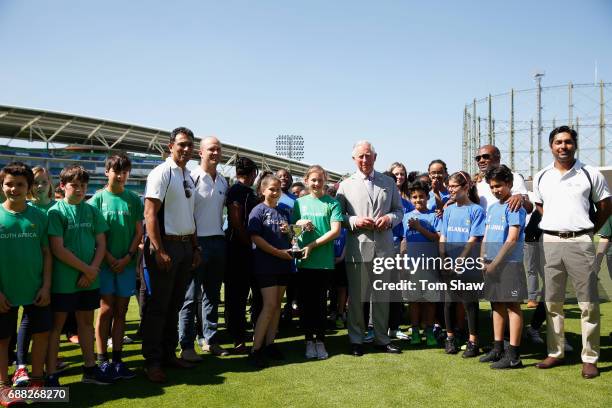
{"points": [[360, 278], [573, 257]]}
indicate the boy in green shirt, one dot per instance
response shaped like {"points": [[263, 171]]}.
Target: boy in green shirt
{"points": [[123, 212], [76, 236], [23, 231]]}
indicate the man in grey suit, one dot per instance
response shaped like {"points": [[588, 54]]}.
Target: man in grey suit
{"points": [[371, 207]]}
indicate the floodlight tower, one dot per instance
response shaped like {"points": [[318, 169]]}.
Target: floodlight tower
{"points": [[290, 146]]}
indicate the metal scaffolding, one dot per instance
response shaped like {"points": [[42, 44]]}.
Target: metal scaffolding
{"points": [[519, 121]]}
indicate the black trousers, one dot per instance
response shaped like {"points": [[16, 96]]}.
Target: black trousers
{"points": [[160, 314], [239, 281], [311, 296]]}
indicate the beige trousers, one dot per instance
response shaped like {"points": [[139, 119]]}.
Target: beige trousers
{"points": [[573, 258]]}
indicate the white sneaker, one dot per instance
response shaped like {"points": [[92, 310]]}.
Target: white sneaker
{"points": [[400, 335], [126, 340], [191, 356], [320, 350], [311, 350]]}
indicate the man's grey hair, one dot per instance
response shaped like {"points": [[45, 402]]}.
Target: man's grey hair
{"points": [[362, 143]]}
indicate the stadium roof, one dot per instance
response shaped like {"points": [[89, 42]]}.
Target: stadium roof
{"points": [[54, 127]]}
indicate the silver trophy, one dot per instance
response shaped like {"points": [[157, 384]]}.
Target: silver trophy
{"points": [[296, 231]]}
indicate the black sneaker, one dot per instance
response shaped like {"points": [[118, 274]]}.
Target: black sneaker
{"points": [[258, 359], [273, 352], [491, 357], [506, 362], [450, 346], [471, 350]]}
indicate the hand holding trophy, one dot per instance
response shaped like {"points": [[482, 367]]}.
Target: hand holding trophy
{"points": [[296, 231]]}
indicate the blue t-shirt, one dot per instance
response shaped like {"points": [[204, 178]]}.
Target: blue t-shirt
{"points": [[265, 222], [460, 223], [417, 243], [286, 201], [499, 221], [339, 243], [398, 230], [431, 202]]}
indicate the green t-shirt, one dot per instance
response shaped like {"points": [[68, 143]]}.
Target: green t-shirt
{"points": [[22, 236], [322, 212], [122, 212], [78, 225], [606, 229], [42, 207]]}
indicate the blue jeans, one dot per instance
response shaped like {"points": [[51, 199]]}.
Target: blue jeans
{"points": [[204, 288]]}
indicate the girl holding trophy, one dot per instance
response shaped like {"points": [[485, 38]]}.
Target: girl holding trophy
{"points": [[268, 226], [319, 216]]}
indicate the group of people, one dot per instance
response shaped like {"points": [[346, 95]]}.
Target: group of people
{"points": [[80, 256]]}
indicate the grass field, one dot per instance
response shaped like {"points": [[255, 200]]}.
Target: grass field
{"points": [[420, 376]]}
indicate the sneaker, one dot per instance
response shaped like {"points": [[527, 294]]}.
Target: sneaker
{"points": [[533, 335], [450, 346], [21, 378], [506, 362], [439, 334], [191, 356], [126, 340], [471, 350], [107, 368], [311, 350], [369, 337], [61, 366], [398, 334], [258, 359], [273, 352], [215, 350], [52, 380], [100, 375], [568, 347], [430, 337], [7, 401], [491, 357], [240, 348], [123, 371], [321, 353], [415, 337]]}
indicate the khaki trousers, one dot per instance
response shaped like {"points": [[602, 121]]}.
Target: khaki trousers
{"points": [[573, 258]]}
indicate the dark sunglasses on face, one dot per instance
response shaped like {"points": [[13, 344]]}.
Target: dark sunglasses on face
{"points": [[485, 156], [187, 190]]}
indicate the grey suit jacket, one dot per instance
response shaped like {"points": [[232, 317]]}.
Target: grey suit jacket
{"points": [[363, 245]]}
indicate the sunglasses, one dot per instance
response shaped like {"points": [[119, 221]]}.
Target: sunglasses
{"points": [[186, 187], [485, 156]]}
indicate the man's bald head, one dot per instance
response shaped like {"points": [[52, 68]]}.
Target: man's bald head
{"points": [[210, 152]]}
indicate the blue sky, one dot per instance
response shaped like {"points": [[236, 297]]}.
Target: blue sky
{"points": [[395, 72]]}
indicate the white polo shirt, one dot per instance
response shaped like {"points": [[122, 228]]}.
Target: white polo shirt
{"points": [[487, 199], [209, 202], [565, 197], [165, 183]]}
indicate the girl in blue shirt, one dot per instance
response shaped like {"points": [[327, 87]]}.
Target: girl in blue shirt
{"points": [[439, 194], [268, 226], [461, 231], [505, 282]]}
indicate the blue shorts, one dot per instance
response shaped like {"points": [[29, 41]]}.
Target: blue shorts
{"points": [[83, 301], [39, 317], [119, 284]]}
